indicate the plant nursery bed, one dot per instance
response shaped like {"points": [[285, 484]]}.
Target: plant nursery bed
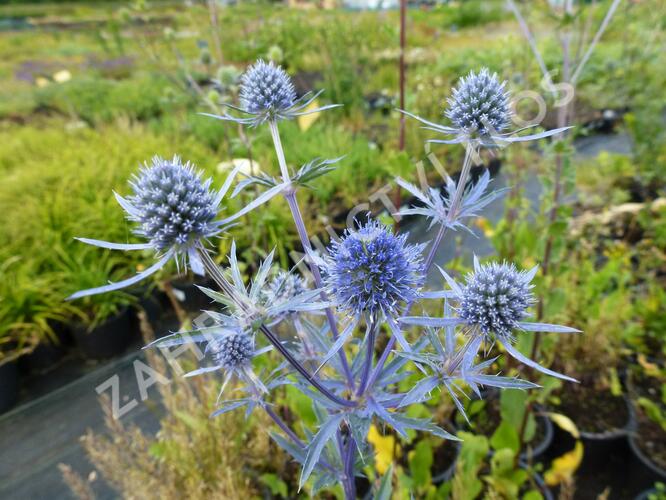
{"points": [[595, 412]]}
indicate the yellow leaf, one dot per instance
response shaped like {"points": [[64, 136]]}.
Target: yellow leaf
{"points": [[306, 121], [651, 370], [385, 448], [485, 226], [564, 467], [565, 423]]}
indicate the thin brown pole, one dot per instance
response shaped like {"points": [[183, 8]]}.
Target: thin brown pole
{"points": [[401, 64]]}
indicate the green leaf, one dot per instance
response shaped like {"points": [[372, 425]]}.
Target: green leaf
{"points": [[505, 436], [275, 484], [420, 462], [512, 406]]}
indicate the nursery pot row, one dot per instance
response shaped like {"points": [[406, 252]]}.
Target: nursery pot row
{"points": [[109, 339]]}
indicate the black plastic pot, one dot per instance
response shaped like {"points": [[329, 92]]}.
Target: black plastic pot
{"points": [[109, 339], [545, 491], [49, 352], [153, 305], [613, 434], [536, 450], [643, 459], [8, 385]]}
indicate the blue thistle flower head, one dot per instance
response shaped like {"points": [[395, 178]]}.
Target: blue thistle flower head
{"points": [[372, 270], [172, 204], [268, 94], [479, 104], [232, 351], [495, 298], [284, 287], [175, 209], [266, 89]]}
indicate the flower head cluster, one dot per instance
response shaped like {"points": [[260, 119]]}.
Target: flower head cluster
{"points": [[480, 104], [175, 209], [284, 287], [266, 88], [172, 204], [232, 351], [373, 270], [268, 94], [496, 298], [479, 111]]}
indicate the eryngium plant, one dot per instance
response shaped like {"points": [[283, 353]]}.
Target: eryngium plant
{"points": [[368, 290]]}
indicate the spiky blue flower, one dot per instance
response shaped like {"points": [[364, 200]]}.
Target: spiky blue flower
{"points": [[266, 88], [232, 351], [173, 205], [229, 350], [480, 112], [372, 270], [268, 94], [479, 104], [492, 305], [175, 209], [495, 299]]}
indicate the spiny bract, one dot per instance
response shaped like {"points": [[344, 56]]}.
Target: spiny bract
{"points": [[174, 207], [495, 299], [479, 101], [232, 351], [266, 88], [371, 270]]}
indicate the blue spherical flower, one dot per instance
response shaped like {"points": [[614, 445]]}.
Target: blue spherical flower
{"points": [[495, 299], [268, 94], [372, 270], [232, 351], [175, 209], [266, 88], [480, 104], [173, 205]]}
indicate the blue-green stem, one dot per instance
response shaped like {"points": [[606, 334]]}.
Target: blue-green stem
{"points": [[290, 196], [443, 228]]}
